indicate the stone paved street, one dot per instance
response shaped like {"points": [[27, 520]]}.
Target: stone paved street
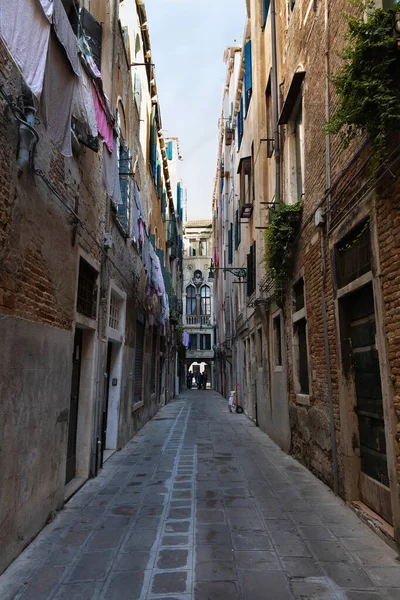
{"points": [[201, 504]]}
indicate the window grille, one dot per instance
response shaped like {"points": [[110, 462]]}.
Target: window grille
{"points": [[86, 301], [115, 312]]}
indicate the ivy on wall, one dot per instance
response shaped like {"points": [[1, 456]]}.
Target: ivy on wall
{"points": [[367, 84], [279, 239]]}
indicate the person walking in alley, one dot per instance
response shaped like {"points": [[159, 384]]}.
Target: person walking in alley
{"points": [[205, 380], [189, 379], [198, 380]]}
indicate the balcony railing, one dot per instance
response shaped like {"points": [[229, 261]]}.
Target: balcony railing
{"points": [[191, 320], [204, 320]]}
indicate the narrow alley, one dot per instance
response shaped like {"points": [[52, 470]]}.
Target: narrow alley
{"points": [[202, 504]]}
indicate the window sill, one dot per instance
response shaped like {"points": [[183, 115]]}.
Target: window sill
{"points": [[136, 406], [303, 399]]}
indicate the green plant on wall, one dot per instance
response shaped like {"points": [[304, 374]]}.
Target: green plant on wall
{"points": [[367, 83], [279, 239]]}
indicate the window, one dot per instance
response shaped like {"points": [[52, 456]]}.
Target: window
{"points": [[190, 300], [205, 341], [353, 254], [153, 145], [203, 247], [240, 122], [251, 270], [124, 166], [296, 153], [264, 11], [192, 249], [205, 300], [230, 244], [277, 340], [86, 301], [237, 230], [246, 187], [193, 341], [300, 346], [248, 85], [163, 203], [92, 32], [137, 91], [268, 108]]}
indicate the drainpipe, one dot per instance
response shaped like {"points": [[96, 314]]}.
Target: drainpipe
{"points": [[323, 259], [25, 130], [275, 103]]}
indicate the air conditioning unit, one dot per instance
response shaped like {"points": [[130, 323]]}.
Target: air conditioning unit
{"points": [[108, 241]]}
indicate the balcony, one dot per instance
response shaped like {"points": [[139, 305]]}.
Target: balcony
{"points": [[191, 319], [228, 133], [203, 320]]}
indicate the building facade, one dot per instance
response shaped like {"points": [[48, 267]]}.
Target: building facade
{"points": [[198, 298], [315, 352], [89, 259]]}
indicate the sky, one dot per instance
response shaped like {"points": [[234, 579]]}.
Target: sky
{"points": [[188, 40]]}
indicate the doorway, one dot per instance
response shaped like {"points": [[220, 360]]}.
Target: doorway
{"points": [[74, 406], [374, 479]]}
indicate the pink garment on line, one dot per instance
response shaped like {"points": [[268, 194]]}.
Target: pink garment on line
{"points": [[104, 127]]}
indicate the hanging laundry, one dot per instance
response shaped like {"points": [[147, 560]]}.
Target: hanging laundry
{"points": [[48, 7], [86, 54], [103, 124], [66, 36], [25, 31], [110, 173], [83, 105], [58, 93]]}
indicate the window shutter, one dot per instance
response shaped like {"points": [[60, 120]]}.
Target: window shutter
{"points": [[240, 122], [163, 203], [230, 244], [247, 76], [123, 207], [179, 199], [137, 87], [169, 150], [265, 9]]}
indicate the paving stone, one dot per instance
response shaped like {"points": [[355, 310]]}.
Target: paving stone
{"points": [[216, 571], [301, 567], [207, 552], [385, 576], [213, 534], [210, 516], [349, 575], [179, 513], [76, 591], [134, 561], [257, 560], [91, 566], [172, 559], [217, 590], [177, 527], [44, 583], [175, 540], [329, 551], [313, 588], [255, 585], [126, 586], [105, 539], [251, 541], [169, 583], [137, 541], [246, 524]]}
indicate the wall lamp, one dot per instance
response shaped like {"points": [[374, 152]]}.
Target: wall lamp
{"points": [[236, 271]]}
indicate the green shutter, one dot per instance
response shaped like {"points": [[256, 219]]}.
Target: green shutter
{"points": [[247, 76]]}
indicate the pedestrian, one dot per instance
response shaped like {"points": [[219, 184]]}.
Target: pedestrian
{"points": [[198, 380], [205, 377], [189, 380]]}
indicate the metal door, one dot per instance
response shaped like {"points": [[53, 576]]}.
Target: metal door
{"points": [[368, 388], [74, 402], [107, 374]]}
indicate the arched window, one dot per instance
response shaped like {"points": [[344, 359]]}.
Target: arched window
{"points": [[190, 300], [205, 303]]}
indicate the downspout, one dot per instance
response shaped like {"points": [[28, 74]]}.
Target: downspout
{"points": [[323, 258], [275, 97]]}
